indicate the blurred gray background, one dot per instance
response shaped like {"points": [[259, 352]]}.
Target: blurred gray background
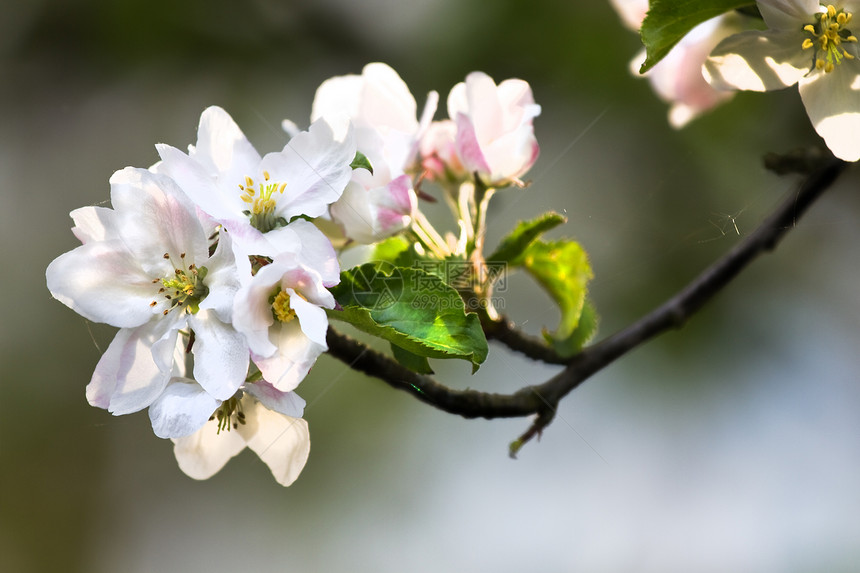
{"points": [[731, 445]]}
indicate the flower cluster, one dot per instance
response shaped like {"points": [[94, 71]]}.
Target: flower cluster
{"points": [[213, 266]]}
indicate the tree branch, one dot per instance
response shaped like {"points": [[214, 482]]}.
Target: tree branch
{"points": [[543, 399]]}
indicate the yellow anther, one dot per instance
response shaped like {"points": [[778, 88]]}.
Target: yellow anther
{"points": [[266, 175], [281, 307], [284, 185], [831, 11], [851, 39], [807, 43], [809, 28], [246, 199], [828, 67], [847, 55], [249, 182]]}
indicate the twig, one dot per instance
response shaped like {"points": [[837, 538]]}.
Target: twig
{"points": [[543, 399]]}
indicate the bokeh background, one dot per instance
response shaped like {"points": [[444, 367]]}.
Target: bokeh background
{"points": [[731, 445]]}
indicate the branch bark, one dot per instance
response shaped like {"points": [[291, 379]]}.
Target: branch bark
{"points": [[543, 399]]}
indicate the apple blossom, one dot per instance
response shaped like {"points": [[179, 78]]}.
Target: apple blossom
{"points": [[280, 311], [259, 417], [495, 137], [252, 195], [382, 112], [808, 44], [145, 267], [677, 79]]}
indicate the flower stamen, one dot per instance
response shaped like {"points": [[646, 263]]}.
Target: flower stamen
{"points": [[281, 309], [829, 34], [229, 414], [262, 201], [184, 288]]}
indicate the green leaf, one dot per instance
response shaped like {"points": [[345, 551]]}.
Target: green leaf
{"points": [[395, 250], [585, 331], [523, 235], [411, 309], [669, 20], [361, 162], [562, 269], [412, 361]]}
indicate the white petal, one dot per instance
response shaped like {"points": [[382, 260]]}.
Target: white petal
{"points": [[788, 14], [282, 442], [758, 61], [154, 217], [832, 102], [201, 186], [202, 454], [222, 279], [221, 355], [316, 168], [287, 403], [101, 281], [252, 311], [93, 224], [221, 147], [312, 318], [294, 356], [182, 409], [128, 377]]}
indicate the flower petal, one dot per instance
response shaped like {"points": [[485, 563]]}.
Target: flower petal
{"points": [[832, 102], [287, 403], [128, 377], [758, 61], [282, 442], [294, 356], [202, 454], [182, 409], [221, 355], [788, 14], [316, 168]]}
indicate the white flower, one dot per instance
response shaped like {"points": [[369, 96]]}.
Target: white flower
{"points": [[677, 78], [258, 417], [145, 267], [280, 311], [382, 112], [808, 44], [252, 195], [495, 136]]}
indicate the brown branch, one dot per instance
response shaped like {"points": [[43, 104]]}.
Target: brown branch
{"points": [[543, 399]]}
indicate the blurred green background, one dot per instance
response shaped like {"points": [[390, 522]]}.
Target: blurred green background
{"points": [[731, 445]]}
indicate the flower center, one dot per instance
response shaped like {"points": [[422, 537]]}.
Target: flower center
{"points": [[184, 288], [262, 200], [229, 414], [281, 307], [828, 34]]}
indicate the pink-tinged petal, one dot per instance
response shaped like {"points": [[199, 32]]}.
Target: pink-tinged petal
{"points": [[832, 102], [788, 14], [102, 282], [282, 442], [221, 355], [203, 454], [312, 318], [315, 166], [468, 147], [93, 224], [182, 409], [127, 377], [154, 217], [632, 12], [758, 61], [287, 403], [293, 359], [252, 310]]}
